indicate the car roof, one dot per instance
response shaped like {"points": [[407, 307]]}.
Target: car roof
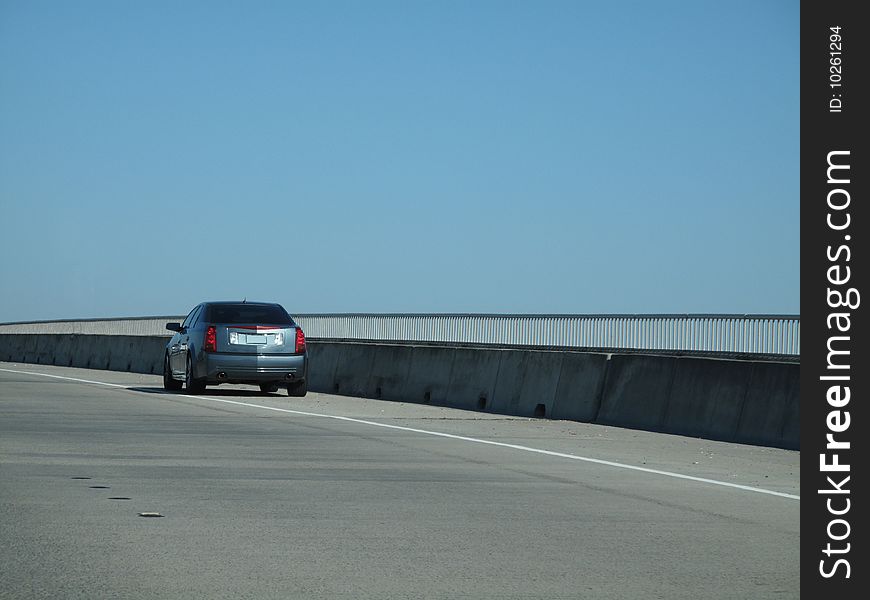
{"points": [[218, 302]]}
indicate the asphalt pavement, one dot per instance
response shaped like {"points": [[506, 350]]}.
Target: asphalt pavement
{"points": [[265, 496]]}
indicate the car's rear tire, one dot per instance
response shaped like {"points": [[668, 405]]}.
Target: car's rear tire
{"points": [[268, 388], [298, 389], [192, 386], [169, 384]]}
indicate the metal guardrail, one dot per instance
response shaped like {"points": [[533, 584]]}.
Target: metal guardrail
{"points": [[750, 334], [120, 326], [726, 334]]}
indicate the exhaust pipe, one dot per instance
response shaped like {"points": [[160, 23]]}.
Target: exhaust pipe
{"points": [[222, 375], [289, 377]]}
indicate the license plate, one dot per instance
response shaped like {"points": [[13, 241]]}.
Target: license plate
{"points": [[267, 338]]}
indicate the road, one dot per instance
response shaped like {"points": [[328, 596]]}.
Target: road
{"points": [[335, 497]]}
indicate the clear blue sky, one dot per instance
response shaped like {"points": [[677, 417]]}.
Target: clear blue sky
{"points": [[438, 156]]}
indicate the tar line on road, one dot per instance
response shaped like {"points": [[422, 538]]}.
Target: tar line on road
{"points": [[442, 435]]}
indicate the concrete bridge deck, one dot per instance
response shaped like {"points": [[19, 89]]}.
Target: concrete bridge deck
{"points": [[339, 497]]}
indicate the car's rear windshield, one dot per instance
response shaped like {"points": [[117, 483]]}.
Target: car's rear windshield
{"points": [[271, 314]]}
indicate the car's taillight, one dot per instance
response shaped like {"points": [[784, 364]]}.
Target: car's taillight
{"points": [[300, 340], [210, 339]]}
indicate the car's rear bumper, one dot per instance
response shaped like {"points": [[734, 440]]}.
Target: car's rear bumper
{"points": [[254, 368]]}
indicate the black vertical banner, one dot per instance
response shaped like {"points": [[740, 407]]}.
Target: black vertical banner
{"points": [[835, 369]]}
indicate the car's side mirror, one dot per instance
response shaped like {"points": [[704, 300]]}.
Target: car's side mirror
{"points": [[173, 326]]}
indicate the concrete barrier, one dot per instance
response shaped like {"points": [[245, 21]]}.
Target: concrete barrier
{"points": [[64, 354], [42, 351], [791, 428], [771, 409], [150, 358], [472, 378], [540, 380], [743, 401], [707, 398], [636, 391], [20, 348], [136, 354], [581, 379], [429, 375], [508, 384], [352, 370], [389, 372], [325, 356]]}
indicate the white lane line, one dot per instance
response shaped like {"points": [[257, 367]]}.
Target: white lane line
{"points": [[117, 385], [463, 438]]}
